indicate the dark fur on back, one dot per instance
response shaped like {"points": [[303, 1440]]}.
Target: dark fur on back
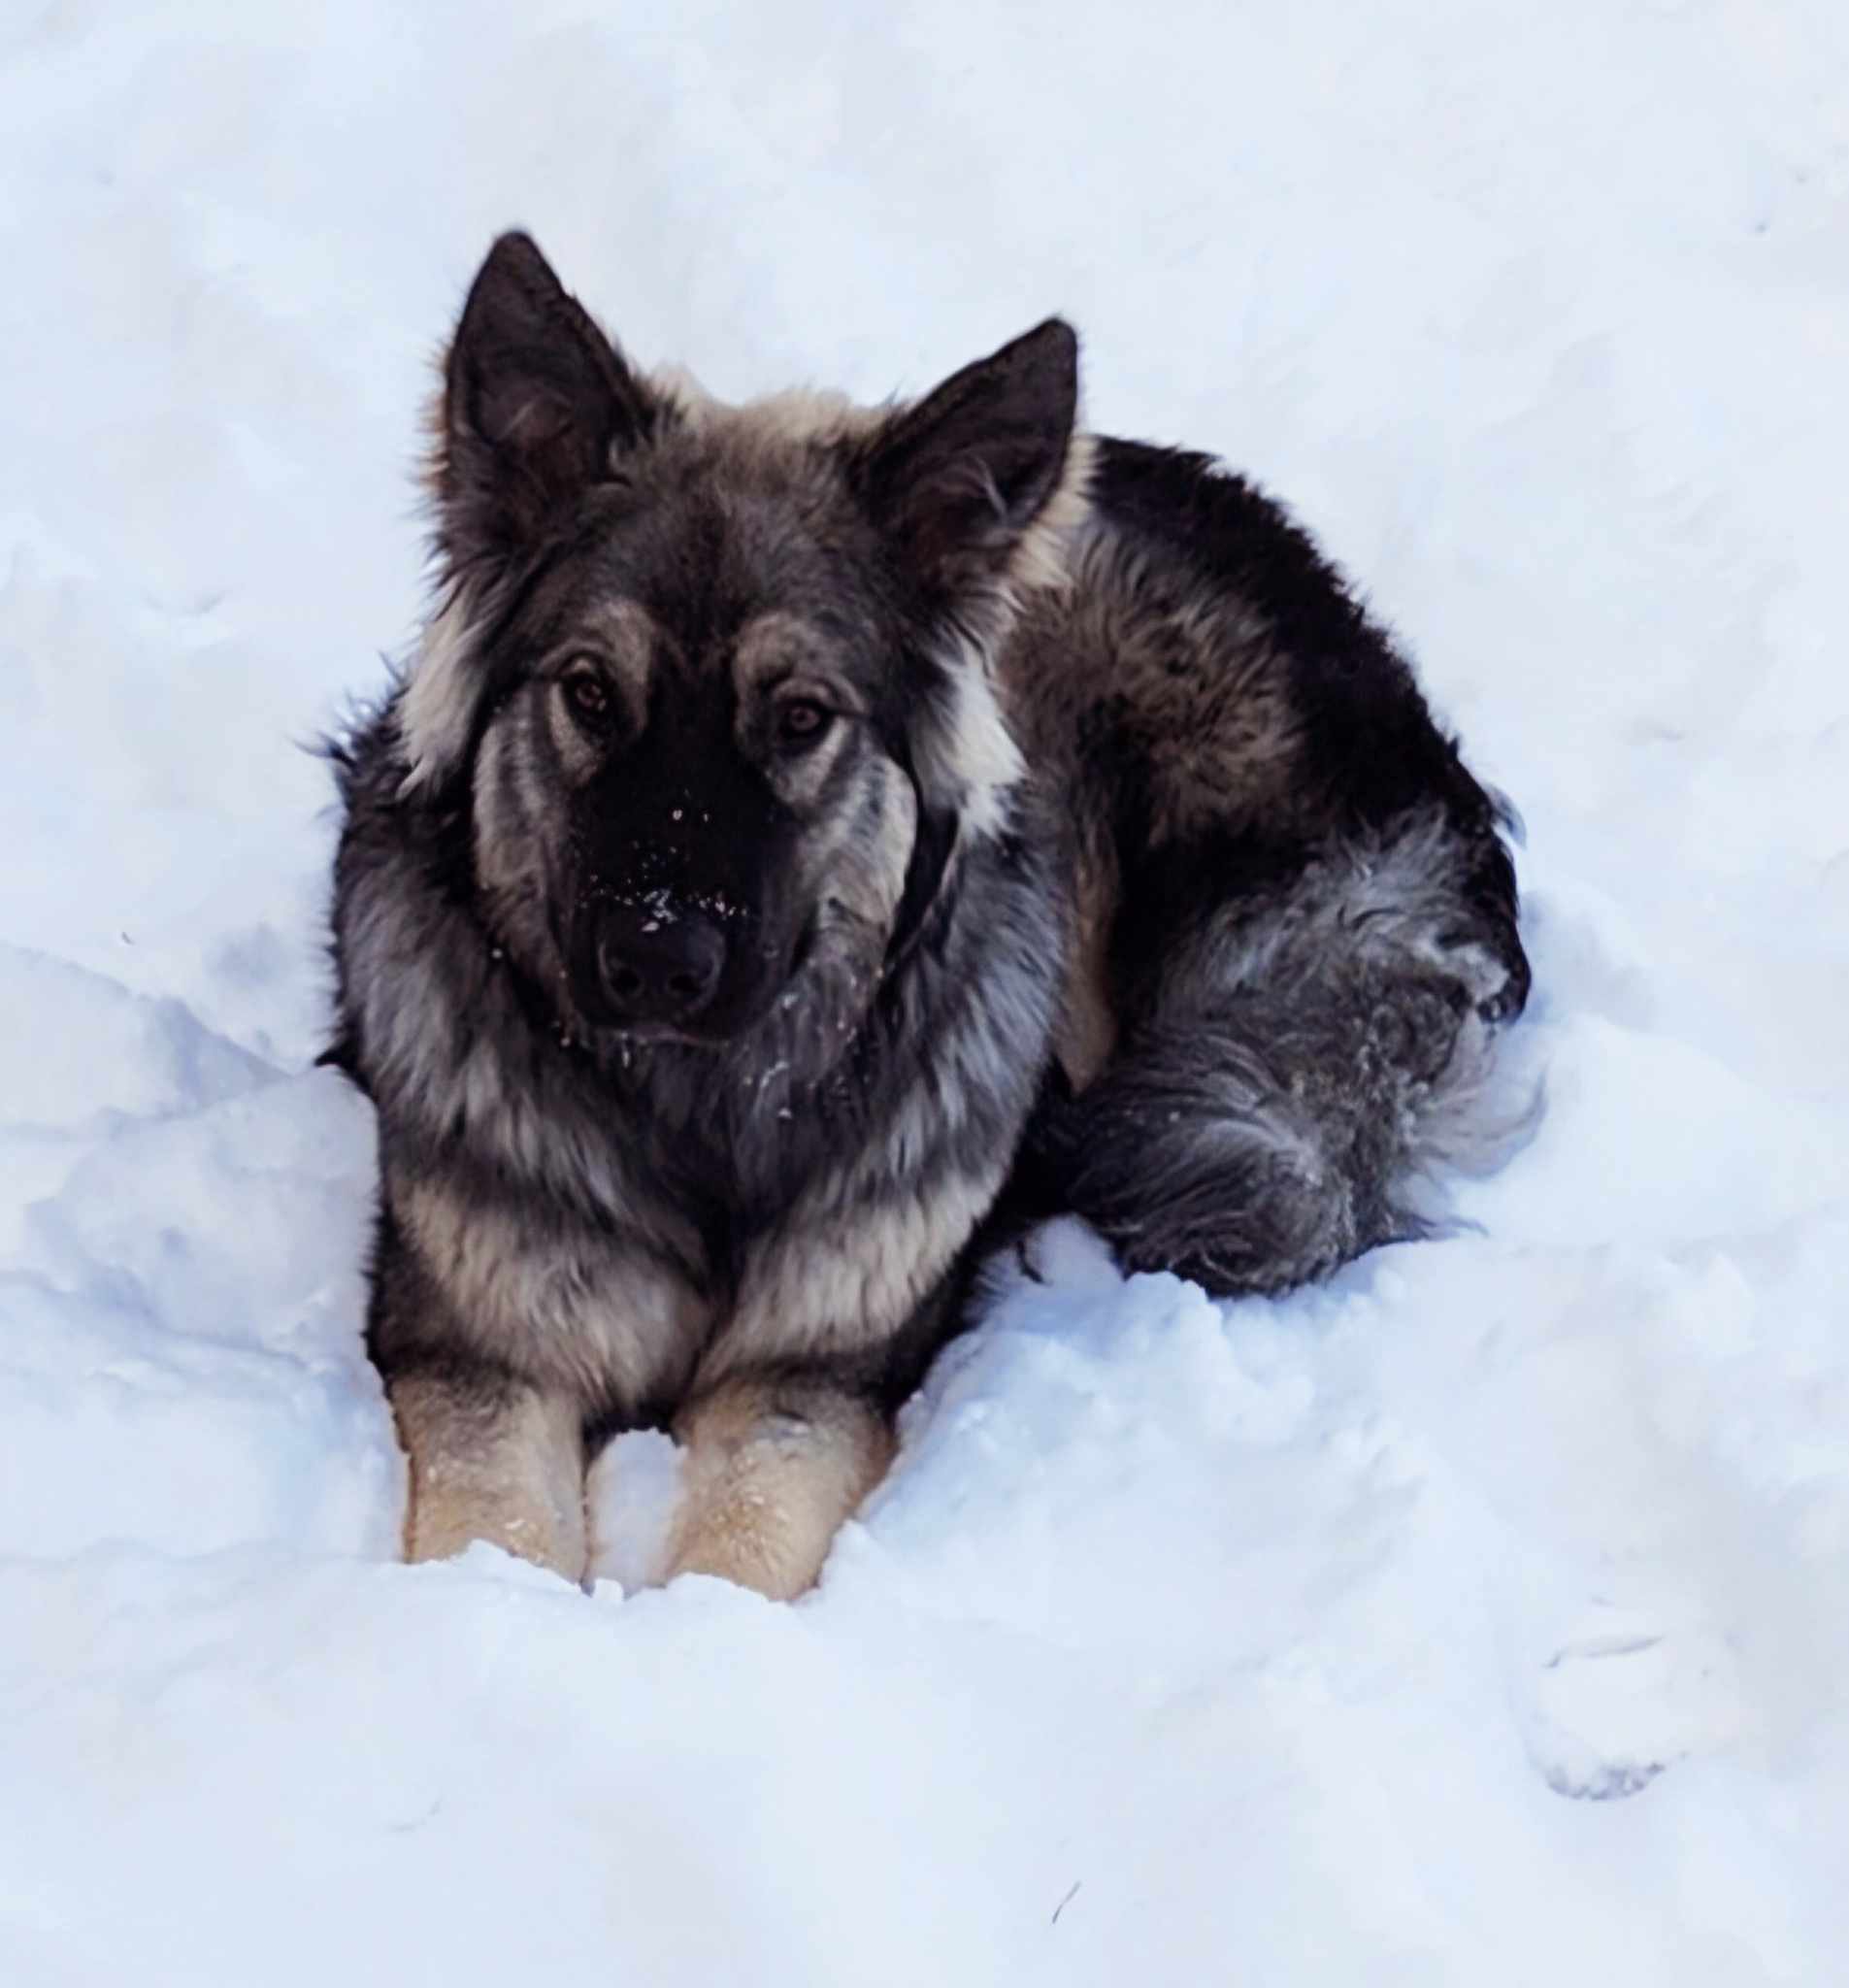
{"points": [[1307, 911], [1012, 806]]}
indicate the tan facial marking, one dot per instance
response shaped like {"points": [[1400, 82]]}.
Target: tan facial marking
{"points": [[782, 647], [778, 655], [621, 640]]}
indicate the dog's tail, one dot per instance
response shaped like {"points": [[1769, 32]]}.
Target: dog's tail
{"points": [[1293, 1073]]}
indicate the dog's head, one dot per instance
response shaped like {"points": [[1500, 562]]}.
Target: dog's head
{"points": [[711, 686]]}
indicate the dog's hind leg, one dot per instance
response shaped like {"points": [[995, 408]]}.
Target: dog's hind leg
{"points": [[774, 1465], [491, 1458], [1293, 1064]]}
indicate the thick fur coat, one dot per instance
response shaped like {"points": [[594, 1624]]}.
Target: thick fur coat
{"points": [[810, 839]]}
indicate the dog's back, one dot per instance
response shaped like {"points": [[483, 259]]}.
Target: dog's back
{"points": [[1296, 915]]}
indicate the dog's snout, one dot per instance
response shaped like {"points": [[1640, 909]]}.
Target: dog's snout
{"points": [[659, 964]]}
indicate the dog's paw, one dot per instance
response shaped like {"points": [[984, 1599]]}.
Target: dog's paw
{"points": [[1491, 968]]}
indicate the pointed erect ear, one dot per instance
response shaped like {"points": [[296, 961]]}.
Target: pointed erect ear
{"points": [[961, 478], [536, 403]]}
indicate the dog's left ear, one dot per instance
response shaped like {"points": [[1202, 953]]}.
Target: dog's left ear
{"points": [[960, 479], [961, 484], [537, 403]]}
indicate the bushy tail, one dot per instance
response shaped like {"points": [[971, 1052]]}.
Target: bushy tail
{"points": [[1293, 1073]]}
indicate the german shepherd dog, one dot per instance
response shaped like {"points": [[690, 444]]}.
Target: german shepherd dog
{"points": [[810, 837]]}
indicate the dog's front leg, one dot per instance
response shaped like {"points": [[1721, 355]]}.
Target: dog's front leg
{"points": [[773, 1467], [492, 1457]]}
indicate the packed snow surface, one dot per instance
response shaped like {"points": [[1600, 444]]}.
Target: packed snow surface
{"points": [[1482, 1617]]}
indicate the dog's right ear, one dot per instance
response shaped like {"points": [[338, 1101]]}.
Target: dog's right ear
{"points": [[537, 404]]}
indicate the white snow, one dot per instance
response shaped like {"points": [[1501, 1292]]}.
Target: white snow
{"points": [[1482, 1617]]}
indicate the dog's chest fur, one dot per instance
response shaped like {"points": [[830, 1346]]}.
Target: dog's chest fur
{"points": [[633, 1228]]}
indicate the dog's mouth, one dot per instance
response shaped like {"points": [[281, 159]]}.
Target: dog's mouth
{"points": [[626, 1039]]}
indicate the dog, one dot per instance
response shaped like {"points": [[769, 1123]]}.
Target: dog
{"points": [[811, 841]]}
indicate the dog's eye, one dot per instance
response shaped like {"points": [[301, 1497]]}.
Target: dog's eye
{"points": [[587, 691], [802, 722]]}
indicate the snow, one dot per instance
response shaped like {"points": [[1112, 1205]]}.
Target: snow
{"points": [[1481, 1616]]}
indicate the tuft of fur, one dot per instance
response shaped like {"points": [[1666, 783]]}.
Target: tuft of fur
{"points": [[1293, 1072]]}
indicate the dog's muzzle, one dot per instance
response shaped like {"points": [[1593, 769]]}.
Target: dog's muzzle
{"points": [[658, 964]]}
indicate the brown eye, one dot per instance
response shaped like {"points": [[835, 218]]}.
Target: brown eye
{"points": [[802, 722], [589, 694]]}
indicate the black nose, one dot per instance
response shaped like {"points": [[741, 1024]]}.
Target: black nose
{"points": [[659, 962]]}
